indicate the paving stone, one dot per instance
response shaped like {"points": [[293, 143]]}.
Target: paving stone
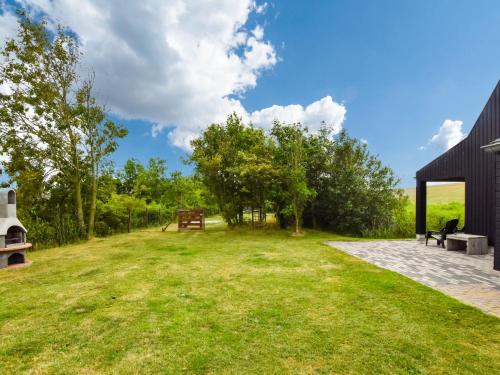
{"points": [[469, 278]]}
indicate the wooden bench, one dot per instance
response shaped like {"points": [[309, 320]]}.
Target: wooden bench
{"points": [[191, 219], [472, 243]]}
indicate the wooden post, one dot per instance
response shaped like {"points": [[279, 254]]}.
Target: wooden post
{"points": [[421, 208], [496, 248]]}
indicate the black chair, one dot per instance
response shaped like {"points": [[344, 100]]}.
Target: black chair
{"points": [[440, 236]]}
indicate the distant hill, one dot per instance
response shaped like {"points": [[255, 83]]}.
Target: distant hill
{"points": [[453, 192]]}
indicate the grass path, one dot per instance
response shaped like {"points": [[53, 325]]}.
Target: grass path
{"points": [[231, 302]]}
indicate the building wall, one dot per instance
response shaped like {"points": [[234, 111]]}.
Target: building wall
{"points": [[478, 168]]}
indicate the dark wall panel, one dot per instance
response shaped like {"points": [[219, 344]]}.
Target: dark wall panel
{"points": [[496, 259]]}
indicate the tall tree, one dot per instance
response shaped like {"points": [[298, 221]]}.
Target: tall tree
{"points": [[234, 162], [356, 193], [37, 112], [318, 151], [128, 177], [99, 140], [290, 157], [150, 181]]}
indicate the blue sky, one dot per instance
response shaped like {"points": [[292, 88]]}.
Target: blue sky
{"points": [[399, 69]]}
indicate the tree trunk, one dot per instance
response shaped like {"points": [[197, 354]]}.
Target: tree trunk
{"points": [[92, 208], [73, 143], [281, 218], [79, 205], [78, 186], [159, 217], [240, 216], [313, 214], [296, 213], [129, 219]]}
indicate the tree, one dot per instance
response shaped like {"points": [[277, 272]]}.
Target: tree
{"points": [[54, 131], [356, 193], [257, 172], [128, 177], [99, 139], [290, 157], [184, 192], [150, 180], [318, 151], [234, 162], [37, 116], [128, 203]]}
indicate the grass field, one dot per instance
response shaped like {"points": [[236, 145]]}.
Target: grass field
{"points": [[444, 202], [231, 302], [445, 193]]}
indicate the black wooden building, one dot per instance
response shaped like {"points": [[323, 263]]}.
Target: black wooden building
{"points": [[479, 167]]}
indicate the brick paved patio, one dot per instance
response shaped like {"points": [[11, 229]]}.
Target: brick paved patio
{"points": [[469, 278]]}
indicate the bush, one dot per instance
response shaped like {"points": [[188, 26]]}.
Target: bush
{"points": [[404, 220], [39, 232], [61, 230], [439, 214]]}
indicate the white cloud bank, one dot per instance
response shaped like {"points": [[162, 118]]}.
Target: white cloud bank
{"points": [[180, 64], [313, 115], [449, 134]]}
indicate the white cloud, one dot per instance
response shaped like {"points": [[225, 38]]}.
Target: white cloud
{"points": [[259, 54], [258, 32], [448, 135], [180, 64], [325, 109], [364, 141], [259, 9]]}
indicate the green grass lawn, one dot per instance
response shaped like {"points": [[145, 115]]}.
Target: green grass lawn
{"points": [[231, 302]]}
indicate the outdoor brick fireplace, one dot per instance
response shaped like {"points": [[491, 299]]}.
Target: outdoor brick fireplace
{"points": [[13, 244]]}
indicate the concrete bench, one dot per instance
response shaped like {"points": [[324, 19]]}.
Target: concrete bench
{"points": [[472, 243]]}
